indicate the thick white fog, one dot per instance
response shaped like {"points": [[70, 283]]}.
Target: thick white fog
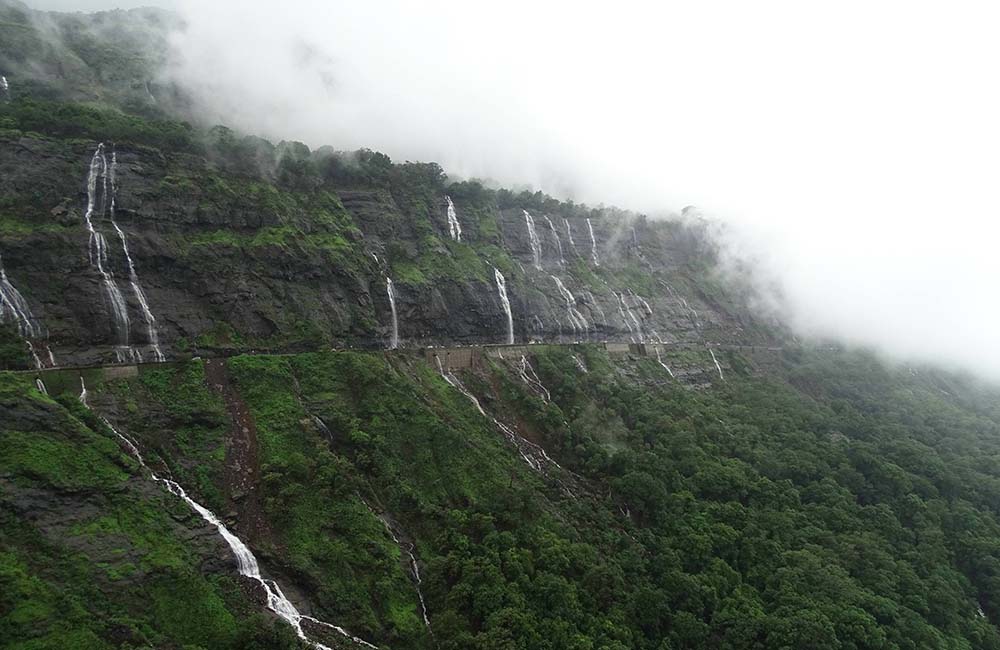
{"points": [[853, 146]]}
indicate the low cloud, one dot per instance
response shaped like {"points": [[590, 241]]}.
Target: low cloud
{"points": [[851, 147]]}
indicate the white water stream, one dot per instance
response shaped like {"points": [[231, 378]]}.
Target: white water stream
{"points": [[536, 244], [593, 244], [505, 303], [555, 233], [530, 377], [99, 253], [246, 562], [454, 226], [569, 235], [532, 454], [576, 319], [716, 361], [390, 289]]}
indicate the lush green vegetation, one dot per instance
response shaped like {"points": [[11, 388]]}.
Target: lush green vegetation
{"points": [[817, 500], [92, 554], [833, 503]]}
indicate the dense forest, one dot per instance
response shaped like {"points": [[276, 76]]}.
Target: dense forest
{"points": [[830, 502]]}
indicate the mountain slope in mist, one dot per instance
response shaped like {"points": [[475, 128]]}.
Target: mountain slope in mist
{"points": [[563, 428]]}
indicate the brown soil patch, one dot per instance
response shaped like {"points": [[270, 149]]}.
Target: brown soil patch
{"points": [[242, 472]]}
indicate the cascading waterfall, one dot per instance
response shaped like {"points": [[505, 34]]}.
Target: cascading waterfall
{"points": [[569, 235], [149, 94], [659, 359], [14, 307], [140, 295], [645, 305], [390, 289], [536, 244], [40, 385], [505, 302], [530, 377], [593, 244], [5, 88], [694, 314], [99, 255], [580, 364], [454, 226], [414, 567], [597, 305], [716, 361], [555, 233], [631, 322], [246, 562], [532, 454], [625, 319], [576, 319]]}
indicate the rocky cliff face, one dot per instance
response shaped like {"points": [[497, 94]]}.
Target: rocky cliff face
{"points": [[237, 261], [237, 244]]}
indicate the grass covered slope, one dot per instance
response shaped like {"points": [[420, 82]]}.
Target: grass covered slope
{"points": [[830, 503], [94, 555]]}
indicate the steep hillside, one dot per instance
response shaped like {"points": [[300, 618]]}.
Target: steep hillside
{"points": [[247, 401], [591, 502]]}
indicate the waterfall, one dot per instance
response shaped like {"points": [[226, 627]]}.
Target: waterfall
{"points": [[634, 327], [5, 88], [597, 306], [414, 567], [576, 319], [149, 94], [14, 307], [580, 364], [140, 295], [246, 563], [505, 302], [420, 594], [593, 244], [99, 253], [532, 454], [694, 314], [645, 305], [40, 385], [659, 359], [83, 392], [34, 355], [454, 226], [569, 235], [555, 234], [389, 289], [530, 377], [536, 245], [716, 361]]}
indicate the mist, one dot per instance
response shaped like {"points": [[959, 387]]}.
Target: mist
{"points": [[851, 148]]}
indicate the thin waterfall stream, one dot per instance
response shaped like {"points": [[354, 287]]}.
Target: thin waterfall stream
{"points": [[246, 562], [536, 244], [137, 290], [505, 303], [391, 290]]}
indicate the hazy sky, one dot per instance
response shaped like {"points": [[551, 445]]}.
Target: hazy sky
{"points": [[853, 145]]}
